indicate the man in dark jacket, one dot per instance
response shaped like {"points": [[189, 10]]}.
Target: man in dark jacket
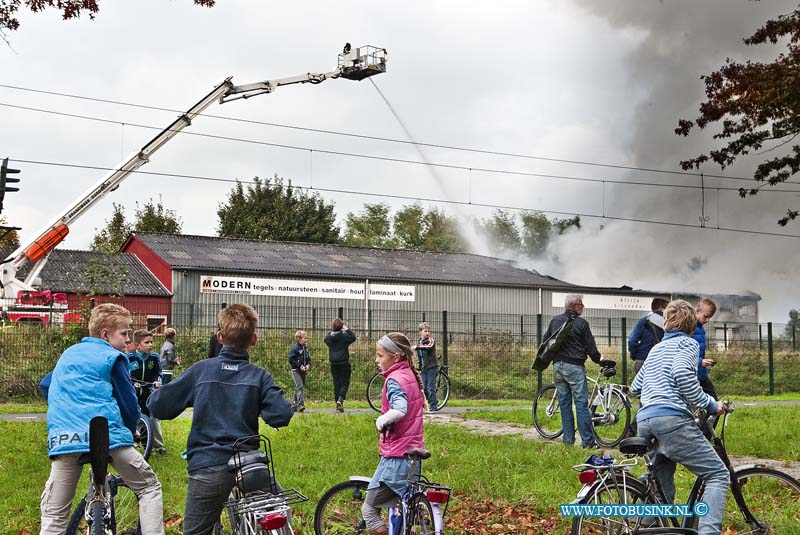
{"points": [[338, 342], [569, 372], [228, 394], [647, 332]]}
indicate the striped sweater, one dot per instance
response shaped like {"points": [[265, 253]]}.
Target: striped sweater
{"points": [[667, 383]]}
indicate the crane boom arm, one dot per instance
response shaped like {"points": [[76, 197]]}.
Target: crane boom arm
{"points": [[365, 62]]}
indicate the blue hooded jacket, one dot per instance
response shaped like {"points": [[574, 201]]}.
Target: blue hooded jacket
{"points": [[700, 336]]}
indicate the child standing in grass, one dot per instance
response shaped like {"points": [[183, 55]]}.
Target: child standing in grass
{"points": [[228, 394], [300, 362], [400, 425], [146, 374], [168, 358], [91, 379]]}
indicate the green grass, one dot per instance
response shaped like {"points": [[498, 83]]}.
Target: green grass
{"points": [[22, 408], [769, 432], [315, 452]]}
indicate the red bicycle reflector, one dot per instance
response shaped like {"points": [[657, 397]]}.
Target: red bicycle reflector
{"points": [[587, 476], [272, 521], [438, 496]]}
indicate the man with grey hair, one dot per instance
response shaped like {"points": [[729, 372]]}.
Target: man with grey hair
{"points": [[569, 372]]}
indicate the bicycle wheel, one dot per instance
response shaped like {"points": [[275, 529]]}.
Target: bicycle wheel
{"points": [[374, 389], [771, 496], [98, 519], [546, 413], [124, 509], [420, 517], [610, 420], [442, 388], [145, 442], [338, 512], [616, 489]]}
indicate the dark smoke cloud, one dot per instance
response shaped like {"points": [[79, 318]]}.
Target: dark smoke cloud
{"points": [[679, 42]]}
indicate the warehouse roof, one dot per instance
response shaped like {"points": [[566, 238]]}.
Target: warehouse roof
{"points": [[84, 271], [204, 253]]}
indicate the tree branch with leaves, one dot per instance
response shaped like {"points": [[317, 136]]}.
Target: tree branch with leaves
{"points": [[757, 106]]}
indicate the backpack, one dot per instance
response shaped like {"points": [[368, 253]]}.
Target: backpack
{"points": [[549, 348]]}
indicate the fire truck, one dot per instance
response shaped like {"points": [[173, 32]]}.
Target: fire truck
{"points": [[24, 303]]}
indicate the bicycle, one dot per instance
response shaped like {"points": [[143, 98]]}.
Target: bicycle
{"points": [[109, 507], [760, 500], [608, 402], [256, 503], [421, 509], [143, 438], [375, 387]]}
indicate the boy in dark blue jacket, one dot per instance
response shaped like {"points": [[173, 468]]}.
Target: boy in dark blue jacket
{"points": [[300, 362], [146, 374], [228, 394]]}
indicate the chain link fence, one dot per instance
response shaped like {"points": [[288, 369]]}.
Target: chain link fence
{"points": [[489, 355]]}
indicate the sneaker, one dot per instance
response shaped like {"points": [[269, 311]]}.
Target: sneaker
{"points": [[590, 445], [339, 407], [160, 451], [301, 408]]}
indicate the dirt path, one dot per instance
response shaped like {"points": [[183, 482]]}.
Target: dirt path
{"points": [[483, 427]]}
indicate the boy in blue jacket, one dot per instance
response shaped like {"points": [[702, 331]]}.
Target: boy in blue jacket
{"points": [[145, 369], [228, 394], [300, 363], [91, 379]]}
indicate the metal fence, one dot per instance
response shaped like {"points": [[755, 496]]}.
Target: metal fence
{"points": [[489, 355]]}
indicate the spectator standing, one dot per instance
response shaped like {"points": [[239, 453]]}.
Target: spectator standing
{"points": [[668, 387], [214, 344], [146, 374], [647, 332], [299, 363], [167, 357], [338, 342], [428, 364], [704, 311], [569, 371], [228, 394]]}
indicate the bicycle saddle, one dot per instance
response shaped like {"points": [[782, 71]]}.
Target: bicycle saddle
{"points": [[605, 363], [417, 452], [636, 445]]}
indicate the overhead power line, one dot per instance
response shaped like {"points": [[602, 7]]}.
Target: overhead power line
{"points": [[423, 199], [391, 159], [380, 138]]}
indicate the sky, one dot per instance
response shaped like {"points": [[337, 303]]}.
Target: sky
{"points": [[581, 80]]}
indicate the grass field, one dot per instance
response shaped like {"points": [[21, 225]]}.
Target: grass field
{"points": [[500, 483]]}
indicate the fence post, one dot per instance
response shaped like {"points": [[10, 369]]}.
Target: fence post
{"points": [[725, 335], [624, 333], [340, 313], [473, 329], [760, 338], [444, 335], [314, 318], [191, 315], [91, 303], [794, 346], [538, 343], [521, 329], [771, 359], [610, 343], [423, 317]]}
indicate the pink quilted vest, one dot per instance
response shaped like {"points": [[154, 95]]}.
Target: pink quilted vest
{"points": [[406, 433]]}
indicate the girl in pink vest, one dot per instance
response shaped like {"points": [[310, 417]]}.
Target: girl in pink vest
{"points": [[400, 425]]}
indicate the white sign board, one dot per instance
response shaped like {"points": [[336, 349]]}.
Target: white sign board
{"points": [[304, 288], [607, 302]]}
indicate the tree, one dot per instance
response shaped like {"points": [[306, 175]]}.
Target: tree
{"points": [[270, 210], [441, 233], [106, 275], [153, 217], [409, 227], [370, 228], [756, 105], [792, 329], [501, 231], [111, 238], [9, 241], [69, 9], [535, 234]]}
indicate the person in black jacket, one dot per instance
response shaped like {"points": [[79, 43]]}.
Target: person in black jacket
{"points": [[214, 344], [299, 363], [228, 394], [338, 342], [569, 372]]}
